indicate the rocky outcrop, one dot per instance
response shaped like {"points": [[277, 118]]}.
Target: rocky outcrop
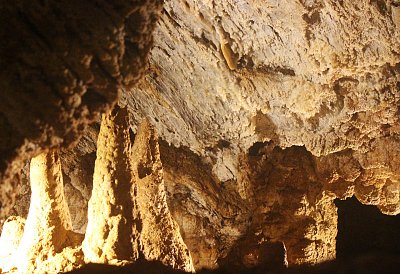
{"points": [[66, 63], [128, 214], [77, 165], [291, 205], [266, 112], [160, 237]]}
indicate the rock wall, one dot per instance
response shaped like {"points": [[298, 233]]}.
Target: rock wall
{"points": [[64, 63], [128, 217], [280, 195]]}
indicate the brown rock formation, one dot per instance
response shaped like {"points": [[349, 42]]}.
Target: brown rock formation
{"points": [[63, 64], [267, 112], [47, 228], [160, 237], [324, 74], [112, 234], [128, 214], [291, 205]]}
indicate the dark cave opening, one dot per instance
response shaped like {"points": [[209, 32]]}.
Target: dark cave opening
{"points": [[364, 230]]}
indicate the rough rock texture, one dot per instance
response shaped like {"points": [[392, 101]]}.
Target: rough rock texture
{"points": [[322, 73], [11, 235], [78, 165], [365, 264], [212, 216], [282, 195], [160, 237], [63, 63], [291, 205], [47, 228], [112, 232], [320, 78], [267, 112], [128, 214]]}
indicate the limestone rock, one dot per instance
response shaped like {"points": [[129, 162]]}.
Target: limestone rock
{"points": [[324, 74], [112, 233], [160, 237], [267, 112], [65, 63], [128, 214], [211, 215], [49, 222], [11, 235], [291, 205], [77, 165]]}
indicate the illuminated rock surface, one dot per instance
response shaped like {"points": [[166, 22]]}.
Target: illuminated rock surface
{"points": [[266, 112], [11, 235], [112, 235], [48, 226], [128, 213]]}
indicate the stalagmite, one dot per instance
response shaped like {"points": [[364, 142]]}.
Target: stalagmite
{"points": [[111, 235], [160, 237], [128, 215], [47, 227]]}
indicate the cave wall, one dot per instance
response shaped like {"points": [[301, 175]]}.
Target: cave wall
{"points": [[281, 196], [63, 64], [266, 112]]}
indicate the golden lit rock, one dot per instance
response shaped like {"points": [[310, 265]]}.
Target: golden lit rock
{"points": [[128, 213], [160, 238], [112, 236], [47, 228], [10, 238], [266, 112]]}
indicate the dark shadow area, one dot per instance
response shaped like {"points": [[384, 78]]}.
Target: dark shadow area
{"points": [[363, 229], [373, 264]]}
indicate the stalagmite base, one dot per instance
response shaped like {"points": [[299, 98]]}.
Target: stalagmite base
{"points": [[9, 241]]}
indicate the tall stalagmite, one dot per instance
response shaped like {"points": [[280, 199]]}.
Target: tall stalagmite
{"points": [[128, 214], [48, 223], [160, 237], [111, 235]]}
